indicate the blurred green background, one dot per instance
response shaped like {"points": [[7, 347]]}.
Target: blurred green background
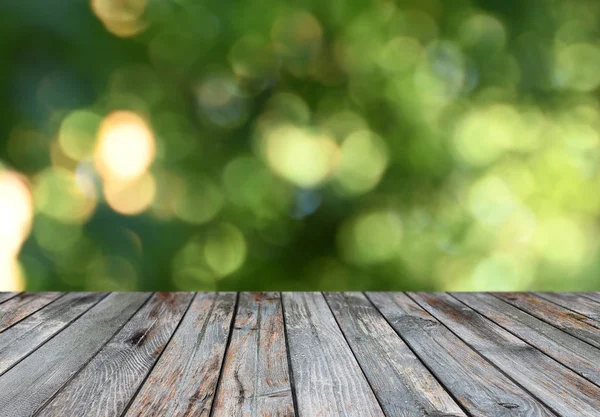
{"points": [[323, 145]]}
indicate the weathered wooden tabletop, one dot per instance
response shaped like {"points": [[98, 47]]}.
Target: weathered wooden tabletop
{"points": [[299, 354]]}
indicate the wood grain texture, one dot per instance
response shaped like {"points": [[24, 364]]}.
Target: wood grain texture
{"points": [[404, 387], [478, 386], [594, 296], [577, 302], [184, 380], [7, 296], [255, 379], [328, 380], [578, 325], [109, 381], [566, 349], [27, 335], [28, 385], [17, 308], [557, 386], [300, 355]]}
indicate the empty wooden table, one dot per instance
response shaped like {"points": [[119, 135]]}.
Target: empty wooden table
{"points": [[299, 354]]}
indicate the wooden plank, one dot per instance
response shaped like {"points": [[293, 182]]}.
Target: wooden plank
{"points": [[594, 296], [328, 380], [255, 379], [570, 351], [477, 385], [578, 325], [17, 308], [107, 384], [7, 296], [28, 385], [27, 335], [184, 380], [402, 384], [557, 386], [577, 302]]}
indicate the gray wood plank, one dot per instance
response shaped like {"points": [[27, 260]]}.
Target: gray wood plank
{"points": [[17, 308], [557, 386], [578, 325], [566, 349], [477, 385], [577, 302], [110, 380], [27, 335], [404, 387], [594, 296], [7, 296], [32, 382], [328, 380], [255, 380], [184, 380]]}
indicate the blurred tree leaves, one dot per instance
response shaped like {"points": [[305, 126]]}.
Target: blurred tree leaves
{"points": [[324, 145]]}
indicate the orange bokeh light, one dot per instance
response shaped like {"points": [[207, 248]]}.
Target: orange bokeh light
{"points": [[126, 147], [16, 212]]}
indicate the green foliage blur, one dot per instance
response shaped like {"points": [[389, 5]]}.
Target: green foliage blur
{"points": [[321, 145]]}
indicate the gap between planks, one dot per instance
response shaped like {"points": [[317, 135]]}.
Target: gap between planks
{"points": [[228, 343]]}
